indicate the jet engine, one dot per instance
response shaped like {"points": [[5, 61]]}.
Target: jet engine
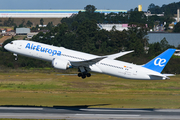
{"points": [[61, 64]]}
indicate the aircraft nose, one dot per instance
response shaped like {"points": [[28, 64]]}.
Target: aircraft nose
{"points": [[6, 46]]}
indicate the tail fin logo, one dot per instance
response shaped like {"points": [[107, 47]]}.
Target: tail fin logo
{"points": [[159, 62]]}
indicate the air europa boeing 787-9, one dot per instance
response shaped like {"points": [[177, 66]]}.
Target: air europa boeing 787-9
{"points": [[62, 58]]}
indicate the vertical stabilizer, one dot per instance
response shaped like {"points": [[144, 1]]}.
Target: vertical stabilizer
{"points": [[158, 63]]}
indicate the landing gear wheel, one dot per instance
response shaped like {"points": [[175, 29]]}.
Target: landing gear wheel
{"points": [[79, 74], [83, 76], [16, 58], [88, 74]]}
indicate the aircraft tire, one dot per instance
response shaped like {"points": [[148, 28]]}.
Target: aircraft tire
{"points": [[88, 74], [79, 74], [16, 58], [83, 76]]}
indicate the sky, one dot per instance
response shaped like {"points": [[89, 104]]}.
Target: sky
{"points": [[80, 4]]}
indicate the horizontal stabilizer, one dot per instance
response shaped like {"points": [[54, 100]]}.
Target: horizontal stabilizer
{"points": [[158, 76], [169, 74]]}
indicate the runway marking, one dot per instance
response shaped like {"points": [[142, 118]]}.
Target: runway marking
{"points": [[85, 116], [156, 110], [104, 110], [167, 110], [110, 115], [19, 108]]}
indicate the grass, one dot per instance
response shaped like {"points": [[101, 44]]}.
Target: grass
{"points": [[102, 91]]}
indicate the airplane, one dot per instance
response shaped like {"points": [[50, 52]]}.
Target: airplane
{"points": [[62, 58]]}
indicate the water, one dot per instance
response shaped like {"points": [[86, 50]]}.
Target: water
{"points": [[172, 38]]}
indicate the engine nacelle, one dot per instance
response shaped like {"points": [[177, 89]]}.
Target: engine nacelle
{"points": [[61, 64]]}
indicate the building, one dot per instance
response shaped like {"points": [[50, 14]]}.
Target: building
{"points": [[119, 27], [22, 31], [139, 8], [109, 27], [30, 35], [46, 13], [148, 13]]}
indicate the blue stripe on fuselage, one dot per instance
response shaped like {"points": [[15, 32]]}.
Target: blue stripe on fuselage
{"points": [[42, 49]]}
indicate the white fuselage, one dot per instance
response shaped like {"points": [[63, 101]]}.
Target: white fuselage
{"points": [[105, 66]]}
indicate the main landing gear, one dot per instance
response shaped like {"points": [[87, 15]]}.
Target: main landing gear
{"points": [[83, 73]]}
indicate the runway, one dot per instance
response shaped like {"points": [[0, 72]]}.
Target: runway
{"points": [[77, 113]]}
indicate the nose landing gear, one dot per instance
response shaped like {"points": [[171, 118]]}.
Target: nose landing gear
{"points": [[16, 56]]}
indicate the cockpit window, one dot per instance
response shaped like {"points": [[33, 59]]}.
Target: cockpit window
{"points": [[11, 42]]}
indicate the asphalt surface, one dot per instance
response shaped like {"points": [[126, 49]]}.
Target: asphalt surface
{"points": [[83, 113]]}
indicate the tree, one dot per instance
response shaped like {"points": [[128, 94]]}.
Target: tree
{"points": [[9, 22], [6, 42], [137, 17], [177, 28], [41, 21], [151, 6], [22, 24], [169, 9], [165, 45], [90, 8], [29, 23], [136, 9], [50, 26], [15, 27]]}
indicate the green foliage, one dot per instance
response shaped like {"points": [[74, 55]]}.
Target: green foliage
{"points": [[130, 17], [29, 23], [41, 21], [159, 47], [22, 24], [90, 8], [50, 26], [169, 9], [137, 17], [6, 42], [177, 28], [87, 37], [9, 22]]}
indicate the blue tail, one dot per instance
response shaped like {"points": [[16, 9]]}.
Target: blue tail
{"points": [[158, 63]]}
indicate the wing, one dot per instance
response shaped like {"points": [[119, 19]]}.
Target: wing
{"points": [[114, 56], [95, 60], [87, 62]]}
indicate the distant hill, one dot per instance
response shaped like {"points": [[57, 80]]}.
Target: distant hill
{"points": [[169, 9]]}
